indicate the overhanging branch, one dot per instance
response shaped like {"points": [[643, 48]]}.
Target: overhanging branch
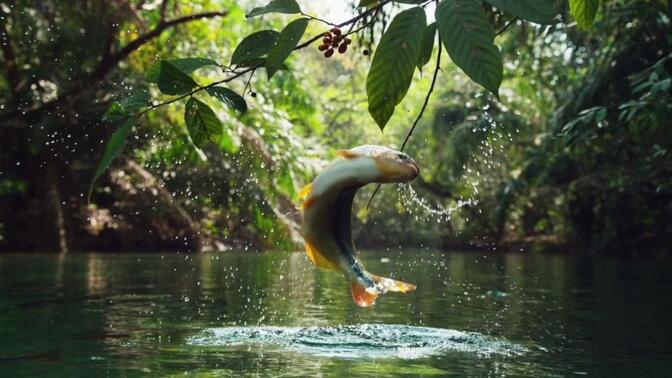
{"points": [[107, 65]]}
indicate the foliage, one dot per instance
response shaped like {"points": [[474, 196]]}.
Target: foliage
{"points": [[575, 149]]}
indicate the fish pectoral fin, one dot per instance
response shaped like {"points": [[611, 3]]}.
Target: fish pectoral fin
{"points": [[390, 284], [318, 259], [348, 154], [362, 295], [305, 191], [308, 203]]}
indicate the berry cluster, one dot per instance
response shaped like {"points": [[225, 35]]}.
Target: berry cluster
{"points": [[334, 40]]}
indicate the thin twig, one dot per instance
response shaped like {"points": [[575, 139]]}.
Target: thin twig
{"points": [[344, 23], [437, 68], [502, 30], [318, 19], [254, 68], [429, 94]]}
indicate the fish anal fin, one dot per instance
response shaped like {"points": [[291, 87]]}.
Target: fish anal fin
{"points": [[390, 284], [363, 296], [305, 191], [348, 154], [318, 259]]}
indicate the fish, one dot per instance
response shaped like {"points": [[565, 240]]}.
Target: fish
{"points": [[326, 213]]}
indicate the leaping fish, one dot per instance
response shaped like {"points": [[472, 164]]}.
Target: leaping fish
{"points": [[327, 208]]}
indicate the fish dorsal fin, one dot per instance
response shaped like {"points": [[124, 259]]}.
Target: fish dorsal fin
{"points": [[348, 154], [305, 192], [318, 259]]}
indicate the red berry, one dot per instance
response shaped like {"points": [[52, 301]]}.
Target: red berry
{"points": [[327, 34], [365, 52], [327, 40], [334, 44], [329, 53], [336, 31], [322, 47], [343, 48], [338, 39], [348, 40]]}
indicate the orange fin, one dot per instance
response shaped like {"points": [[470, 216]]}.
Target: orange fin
{"points": [[305, 192], [309, 202], [363, 296], [390, 284], [348, 154], [318, 259]]}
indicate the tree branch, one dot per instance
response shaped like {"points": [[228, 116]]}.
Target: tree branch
{"points": [[9, 58], [106, 66], [162, 11], [110, 63], [254, 68]]}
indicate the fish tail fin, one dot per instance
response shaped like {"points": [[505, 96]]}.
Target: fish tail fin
{"points": [[390, 284], [366, 296]]}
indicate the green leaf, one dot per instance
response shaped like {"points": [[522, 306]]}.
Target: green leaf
{"points": [[255, 45], [118, 110], [537, 11], [468, 37], [186, 65], [202, 123], [584, 12], [287, 40], [276, 6], [189, 65], [112, 150], [427, 45], [114, 113], [232, 99], [259, 62], [171, 80], [394, 63], [137, 100]]}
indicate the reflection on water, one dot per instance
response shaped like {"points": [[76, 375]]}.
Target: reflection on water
{"points": [[275, 314], [365, 341]]}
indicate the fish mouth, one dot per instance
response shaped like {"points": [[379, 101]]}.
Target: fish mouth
{"points": [[416, 170]]}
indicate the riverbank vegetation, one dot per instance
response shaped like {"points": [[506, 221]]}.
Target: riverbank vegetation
{"points": [[567, 143]]}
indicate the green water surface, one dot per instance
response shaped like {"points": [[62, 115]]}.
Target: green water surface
{"points": [[274, 314]]}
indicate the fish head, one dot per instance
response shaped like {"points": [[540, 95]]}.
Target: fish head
{"points": [[393, 166]]}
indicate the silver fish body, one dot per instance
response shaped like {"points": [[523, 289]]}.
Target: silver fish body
{"points": [[327, 210]]}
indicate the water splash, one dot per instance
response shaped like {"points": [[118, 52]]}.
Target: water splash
{"points": [[415, 204], [359, 341]]}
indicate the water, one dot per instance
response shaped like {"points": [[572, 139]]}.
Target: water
{"points": [[274, 314]]}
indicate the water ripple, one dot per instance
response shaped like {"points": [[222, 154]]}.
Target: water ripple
{"points": [[359, 341]]}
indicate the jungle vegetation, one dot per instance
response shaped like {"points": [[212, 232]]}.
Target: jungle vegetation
{"points": [[174, 125]]}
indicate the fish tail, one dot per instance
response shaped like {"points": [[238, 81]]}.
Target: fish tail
{"points": [[366, 296]]}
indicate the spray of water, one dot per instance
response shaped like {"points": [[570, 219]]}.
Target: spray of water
{"points": [[421, 208]]}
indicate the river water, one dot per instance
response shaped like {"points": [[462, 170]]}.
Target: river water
{"points": [[275, 314]]}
